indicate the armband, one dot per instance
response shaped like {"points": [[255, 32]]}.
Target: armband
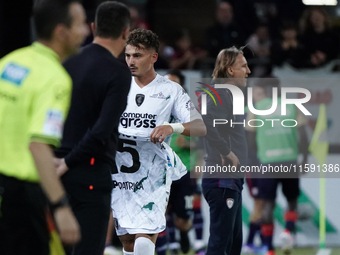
{"points": [[177, 127]]}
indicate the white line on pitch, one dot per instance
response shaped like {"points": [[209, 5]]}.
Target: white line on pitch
{"points": [[324, 252]]}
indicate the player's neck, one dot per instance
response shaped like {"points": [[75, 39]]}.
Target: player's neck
{"points": [[56, 47], [147, 78], [114, 46]]}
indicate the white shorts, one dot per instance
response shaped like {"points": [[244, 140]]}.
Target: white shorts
{"points": [[132, 231], [141, 190]]}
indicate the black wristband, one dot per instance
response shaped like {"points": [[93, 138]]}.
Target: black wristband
{"points": [[63, 201]]}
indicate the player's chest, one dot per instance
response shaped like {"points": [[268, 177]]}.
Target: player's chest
{"points": [[151, 100]]}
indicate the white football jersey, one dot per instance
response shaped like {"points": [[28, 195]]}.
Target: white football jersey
{"points": [[146, 170], [141, 188], [151, 106]]}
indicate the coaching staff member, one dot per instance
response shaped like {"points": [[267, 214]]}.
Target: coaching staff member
{"points": [[100, 87], [225, 145], [35, 92]]}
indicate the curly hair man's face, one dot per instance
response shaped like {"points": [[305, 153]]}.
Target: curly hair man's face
{"points": [[139, 60]]}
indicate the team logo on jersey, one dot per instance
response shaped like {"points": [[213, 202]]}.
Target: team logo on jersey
{"points": [[139, 99], [189, 106], [160, 95], [230, 202], [53, 124]]}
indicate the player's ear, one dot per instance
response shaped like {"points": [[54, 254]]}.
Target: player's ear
{"points": [[60, 32], [230, 70], [154, 57], [93, 28]]}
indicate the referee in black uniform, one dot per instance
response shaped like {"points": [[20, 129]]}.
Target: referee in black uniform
{"points": [[86, 157]]}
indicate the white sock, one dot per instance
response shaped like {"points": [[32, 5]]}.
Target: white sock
{"points": [[128, 252], [144, 246]]}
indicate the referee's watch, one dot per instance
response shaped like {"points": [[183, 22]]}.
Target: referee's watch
{"points": [[63, 201]]}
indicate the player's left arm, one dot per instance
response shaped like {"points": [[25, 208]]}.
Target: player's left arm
{"points": [[183, 110], [193, 129]]}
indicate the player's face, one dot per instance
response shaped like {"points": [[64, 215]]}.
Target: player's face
{"points": [[77, 32], [240, 71], [140, 60]]}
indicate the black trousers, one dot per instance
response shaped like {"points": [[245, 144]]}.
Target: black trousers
{"points": [[225, 206], [23, 225], [89, 189]]}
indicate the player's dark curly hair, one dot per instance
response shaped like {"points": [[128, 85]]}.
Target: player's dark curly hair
{"points": [[146, 38]]}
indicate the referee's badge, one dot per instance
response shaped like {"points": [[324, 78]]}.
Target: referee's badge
{"points": [[230, 202], [139, 99]]}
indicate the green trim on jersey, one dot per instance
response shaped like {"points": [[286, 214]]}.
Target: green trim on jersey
{"points": [[35, 93], [278, 143]]}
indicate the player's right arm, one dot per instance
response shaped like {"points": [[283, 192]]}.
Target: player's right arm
{"points": [[49, 107], [67, 224]]}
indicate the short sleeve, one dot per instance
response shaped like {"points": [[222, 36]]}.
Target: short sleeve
{"points": [[49, 109], [183, 109]]}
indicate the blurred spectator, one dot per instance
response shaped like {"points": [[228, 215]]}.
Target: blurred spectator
{"points": [[259, 43], [320, 42], [186, 56], [288, 48], [267, 12], [136, 21], [225, 32], [165, 53]]}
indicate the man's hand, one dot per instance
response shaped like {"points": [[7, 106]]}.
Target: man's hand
{"points": [[67, 225], [232, 157], [159, 133], [60, 165]]}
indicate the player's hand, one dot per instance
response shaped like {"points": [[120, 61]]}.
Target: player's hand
{"points": [[60, 165], [232, 157], [159, 133], [67, 225]]}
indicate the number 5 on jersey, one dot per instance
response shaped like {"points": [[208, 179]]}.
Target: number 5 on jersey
{"points": [[134, 153]]}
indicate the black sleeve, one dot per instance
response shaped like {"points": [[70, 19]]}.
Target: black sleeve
{"points": [[113, 106], [220, 142]]}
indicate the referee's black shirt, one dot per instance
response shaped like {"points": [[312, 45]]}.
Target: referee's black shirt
{"points": [[101, 84]]}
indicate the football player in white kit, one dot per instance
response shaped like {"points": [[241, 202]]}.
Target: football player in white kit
{"points": [[146, 165]]}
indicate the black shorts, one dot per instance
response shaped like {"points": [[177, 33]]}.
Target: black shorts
{"points": [[290, 186], [23, 224], [181, 197]]}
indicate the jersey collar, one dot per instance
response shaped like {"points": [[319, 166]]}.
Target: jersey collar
{"points": [[46, 51]]}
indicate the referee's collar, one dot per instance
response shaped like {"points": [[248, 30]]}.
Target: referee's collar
{"points": [[47, 51]]}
